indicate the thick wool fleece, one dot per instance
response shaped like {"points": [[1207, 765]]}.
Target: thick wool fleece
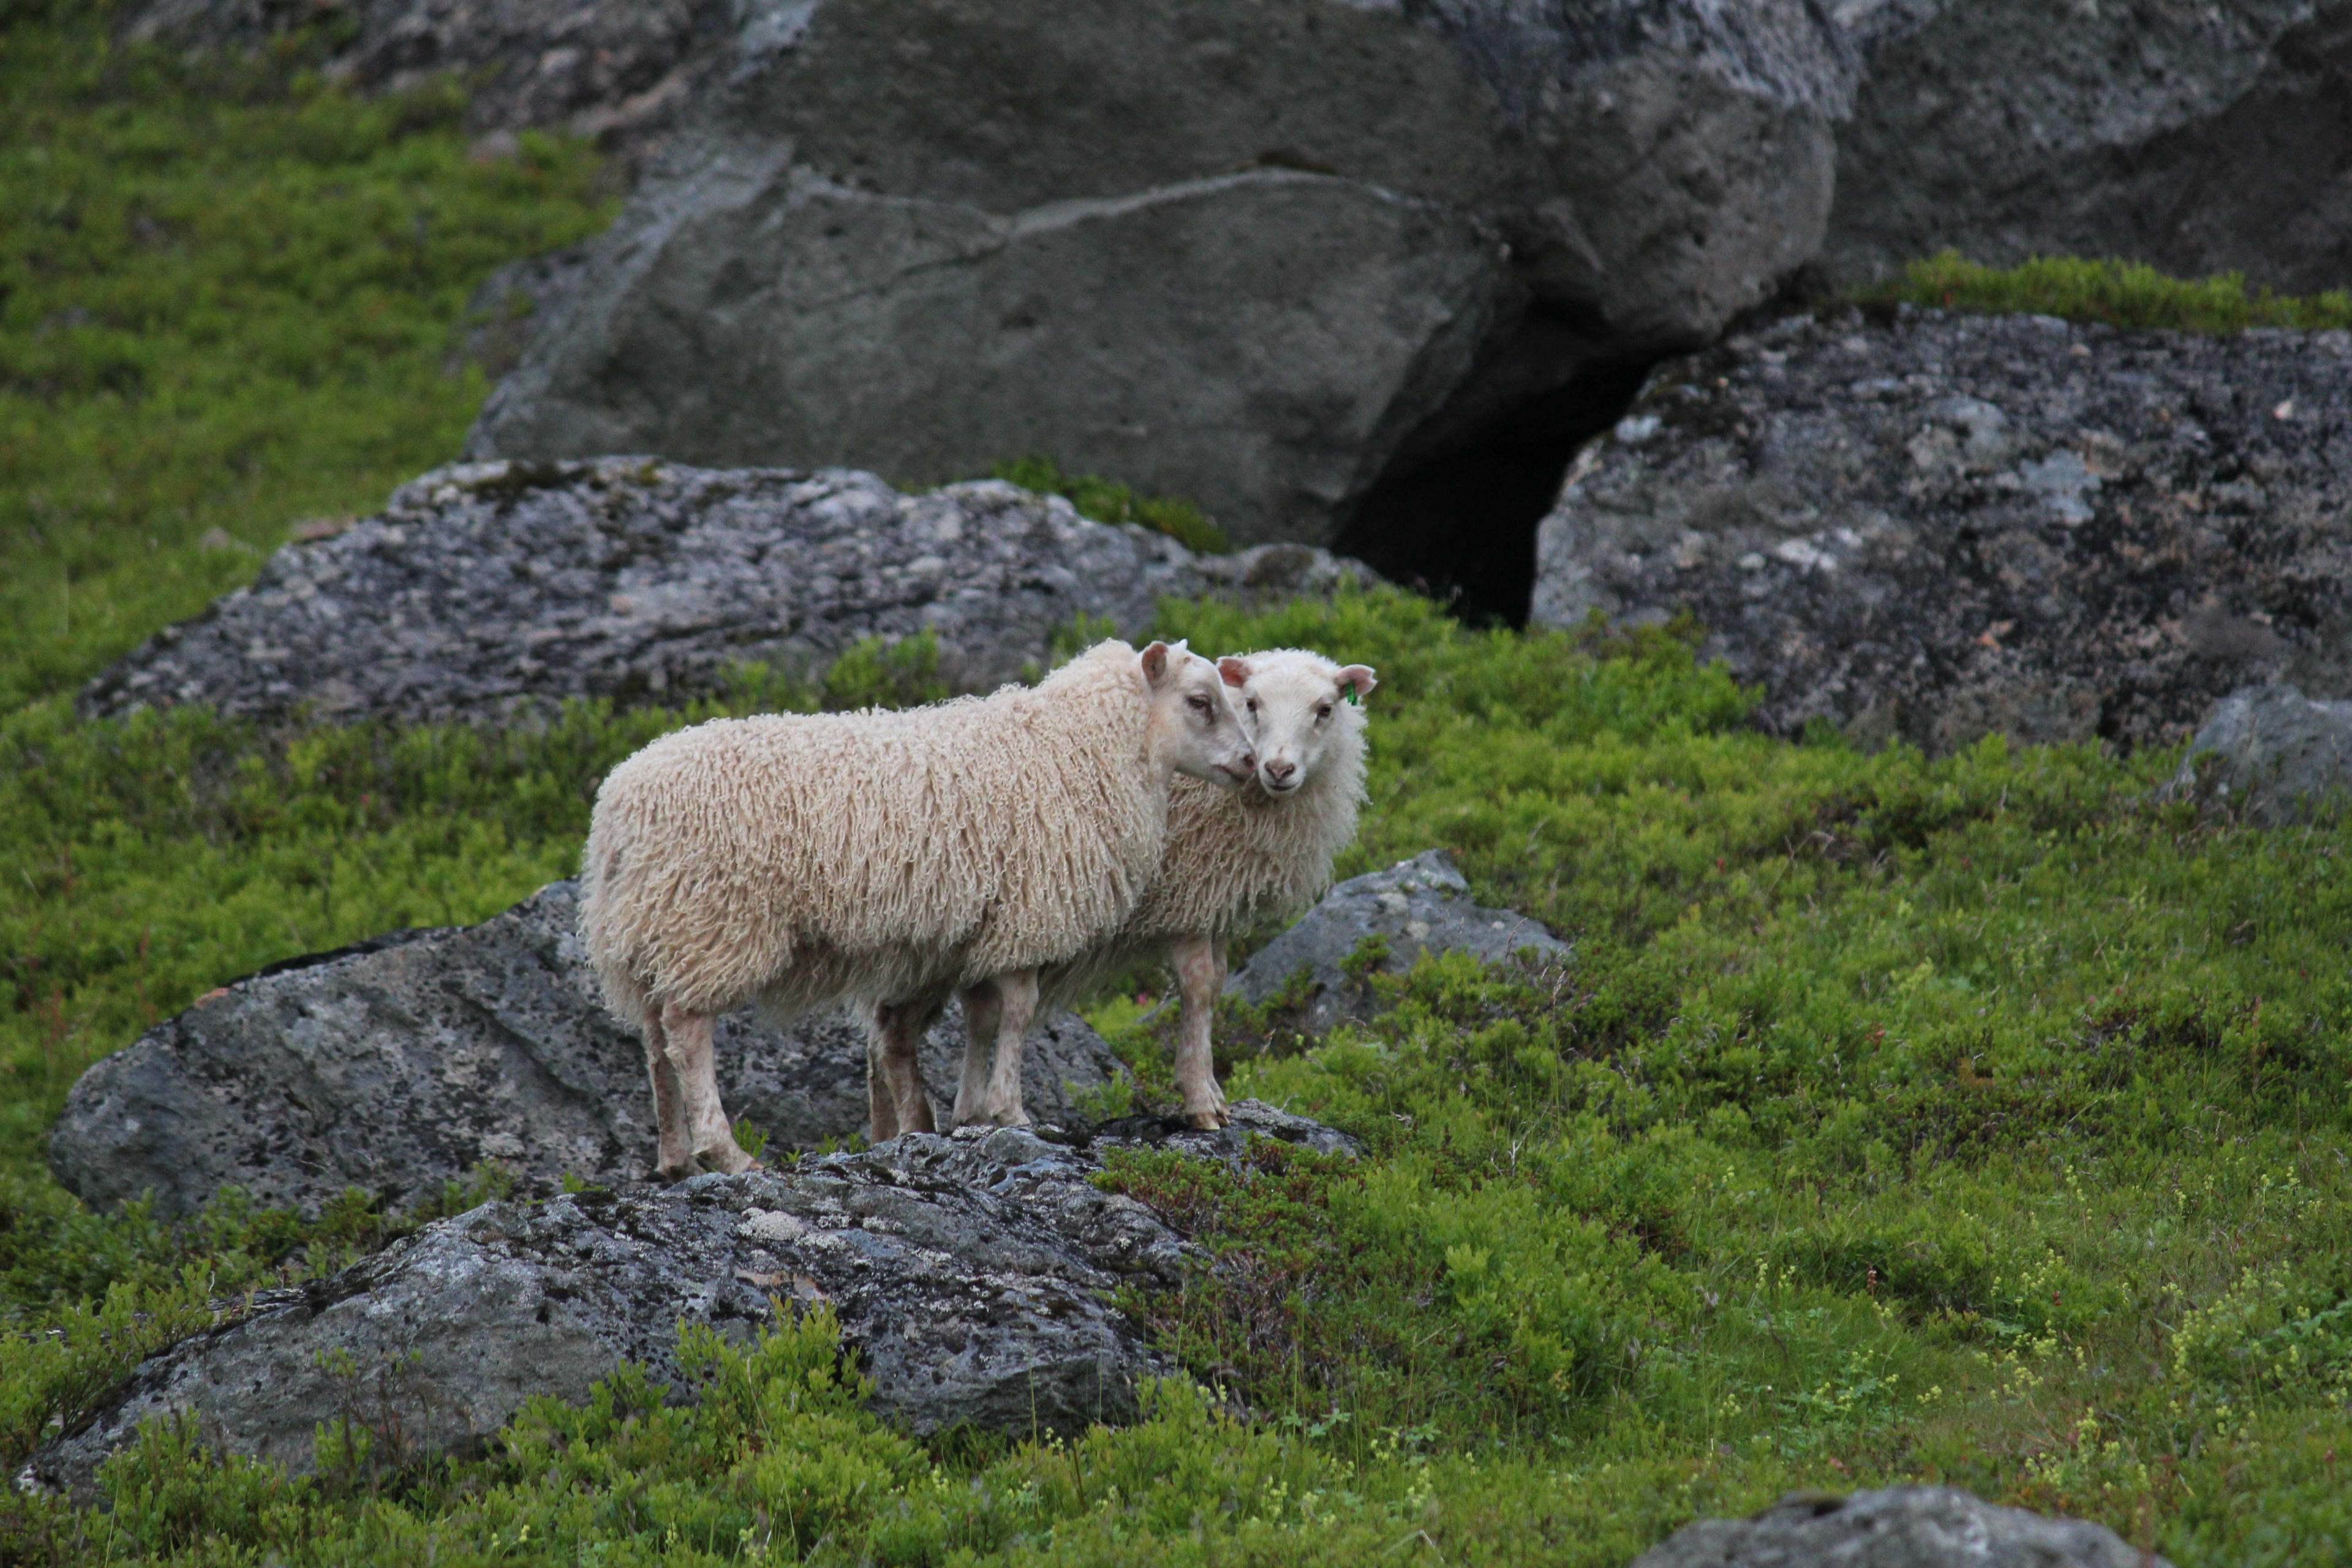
{"points": [[802, 859], [1236, 858]]}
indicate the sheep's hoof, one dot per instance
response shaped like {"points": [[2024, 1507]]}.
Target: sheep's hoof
{"points": [[727, 1161], [676, 1173], [1205, 1121]]}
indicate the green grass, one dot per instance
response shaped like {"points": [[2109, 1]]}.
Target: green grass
{"points": [[1972, 1119], [229, 301], [2115, 293], [1108, 500]]}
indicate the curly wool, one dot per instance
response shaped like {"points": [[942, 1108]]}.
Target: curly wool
{"points": [[1235, 858], [802, 860]]}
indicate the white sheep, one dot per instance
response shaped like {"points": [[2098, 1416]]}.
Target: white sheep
{"points": [[885, 858], [1235, 857]]}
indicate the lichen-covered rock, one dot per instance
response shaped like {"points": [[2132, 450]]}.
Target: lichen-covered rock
{"points": [[1417, 906], [405, 1062], [971, 1275], [2203, 139], [1956, 526], [1901, 1527], [1238, 253], [2272, 752], [483, 588]]}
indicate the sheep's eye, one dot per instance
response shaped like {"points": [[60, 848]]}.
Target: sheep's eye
{"points": [[1200, 704], [1252, 704], [1324, 712]]}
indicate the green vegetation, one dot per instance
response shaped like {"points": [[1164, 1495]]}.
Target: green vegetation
{"points": [[1106, 500], [1972, 1119], [2117, 293], [229, 301]]}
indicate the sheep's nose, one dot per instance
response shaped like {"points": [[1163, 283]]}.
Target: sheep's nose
{"points": [[1280, 772]]}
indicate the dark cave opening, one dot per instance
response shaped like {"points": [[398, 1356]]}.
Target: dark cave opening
{"points": [[1460, 524]]}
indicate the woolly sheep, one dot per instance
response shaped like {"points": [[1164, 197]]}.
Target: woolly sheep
{"points": [[885, 858], [1234, 859]]}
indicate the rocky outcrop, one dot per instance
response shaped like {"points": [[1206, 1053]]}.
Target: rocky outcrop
{"points": [[2201, 139], [616, 71], [483, 588], [1948, 527], [407, 1061], [1901, 1527], [970, 1275], [2272, 753], [1416, 906], [1250, 255]]}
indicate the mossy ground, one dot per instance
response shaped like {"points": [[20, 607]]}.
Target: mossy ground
{"points": [[1972, 1119]]}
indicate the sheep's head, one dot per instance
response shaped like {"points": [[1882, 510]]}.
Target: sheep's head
{"points": [[1295, 704], [1191, 723]]}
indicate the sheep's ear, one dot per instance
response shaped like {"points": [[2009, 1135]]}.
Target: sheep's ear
{"points": [[1153, 662], [1357, 679], [1234, 670]]}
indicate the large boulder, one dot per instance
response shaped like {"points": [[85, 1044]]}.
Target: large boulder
{"points": [[1901, 1527], [408, 1061], [1949, 526], [1415, 906], [2200, 138], [487, 587], [2272, 753], [971, 1275], [1254, 255]]}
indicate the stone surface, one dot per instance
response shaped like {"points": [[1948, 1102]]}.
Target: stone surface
{"points": [[1420, 905], [2272, 753], [483, 588], [1249, 254], [618, 71], [2200, 138], [405, 1062], [1901, 1527], [1951, 527], [970, 1274]]}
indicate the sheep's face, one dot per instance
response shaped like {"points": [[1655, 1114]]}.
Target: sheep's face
{"points": [[1291, 703], [1199, 729]]}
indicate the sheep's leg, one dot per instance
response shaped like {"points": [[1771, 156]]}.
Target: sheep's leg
{"points": [[881, 1097], [983, 1004], [899, 1037], [1199, 975], [687, 1042], [1016, 1001], [669, 1106]]}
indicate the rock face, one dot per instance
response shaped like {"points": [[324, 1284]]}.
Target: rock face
{"points": [[2201, 139], [1417, 906], [969, 1274], [1901, 1527], [406, 1061], [2272, 752], [1251, 255], [1956, 526], [486, 587]]}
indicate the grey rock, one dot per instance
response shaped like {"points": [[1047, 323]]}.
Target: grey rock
{"points": [[2272, 753], [405, 1062], [616, 71], [1245, 254], [1417, 906], [484, 589], [1901, 1527], [2201, 139], [1953, 526], [970, 1274]]}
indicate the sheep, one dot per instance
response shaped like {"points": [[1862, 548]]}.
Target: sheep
{"points": [[887, 858], [1234, 859]]}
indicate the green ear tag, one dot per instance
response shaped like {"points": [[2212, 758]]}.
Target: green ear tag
{"points": [[1351, 695]]}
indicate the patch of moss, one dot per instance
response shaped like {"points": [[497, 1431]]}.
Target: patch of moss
{"points": [[1108, 500], [2112, 293]]}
